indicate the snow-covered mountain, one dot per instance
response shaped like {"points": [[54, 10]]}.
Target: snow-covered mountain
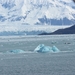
{"points": [[35, 12], [21, 17]]}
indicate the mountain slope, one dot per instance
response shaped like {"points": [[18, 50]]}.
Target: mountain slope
{"points": [[33, 12], [69, 30]]}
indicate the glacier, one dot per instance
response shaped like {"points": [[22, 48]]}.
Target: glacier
{"points": [[32, 16]]}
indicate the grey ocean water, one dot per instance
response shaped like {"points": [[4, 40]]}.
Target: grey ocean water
{"points": [[30, 63]]}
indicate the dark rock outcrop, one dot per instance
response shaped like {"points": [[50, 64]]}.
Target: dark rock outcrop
{"points": [[70, 30]]}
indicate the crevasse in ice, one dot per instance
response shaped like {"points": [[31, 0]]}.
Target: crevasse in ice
{"points": [[44, 49]]}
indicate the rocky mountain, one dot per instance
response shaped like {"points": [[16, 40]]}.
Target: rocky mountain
{"points": [[37, 12], [69, 30]]}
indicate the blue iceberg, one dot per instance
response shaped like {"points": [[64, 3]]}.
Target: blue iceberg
{"points": [[55, 49], [45, 49], [16, 51]]}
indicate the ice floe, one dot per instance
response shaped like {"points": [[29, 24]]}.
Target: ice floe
{"points": [[16, 51]]}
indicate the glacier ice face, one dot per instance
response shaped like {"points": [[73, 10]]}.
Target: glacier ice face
{"points": [[16, 51], [18, 15], [45, 49], [25, 15]]}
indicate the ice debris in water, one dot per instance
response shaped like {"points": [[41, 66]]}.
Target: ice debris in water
{"points": [[44, 49], [55, 49], [16, 51]]}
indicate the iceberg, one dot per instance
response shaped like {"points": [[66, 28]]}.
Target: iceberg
{"points": [[16, 51], [45, 49], [39, 47], [55, 49]]}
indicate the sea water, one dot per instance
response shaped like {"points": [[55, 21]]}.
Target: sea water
{"points": [[29, 62]]}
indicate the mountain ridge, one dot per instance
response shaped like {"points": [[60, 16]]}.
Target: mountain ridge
{"points": [[69, 30]]}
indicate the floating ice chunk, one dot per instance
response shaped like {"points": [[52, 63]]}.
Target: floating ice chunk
{"points": [[53, 42], [43, 49], [39, 47], [55, 49], [16, 51], [46, 49]]}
